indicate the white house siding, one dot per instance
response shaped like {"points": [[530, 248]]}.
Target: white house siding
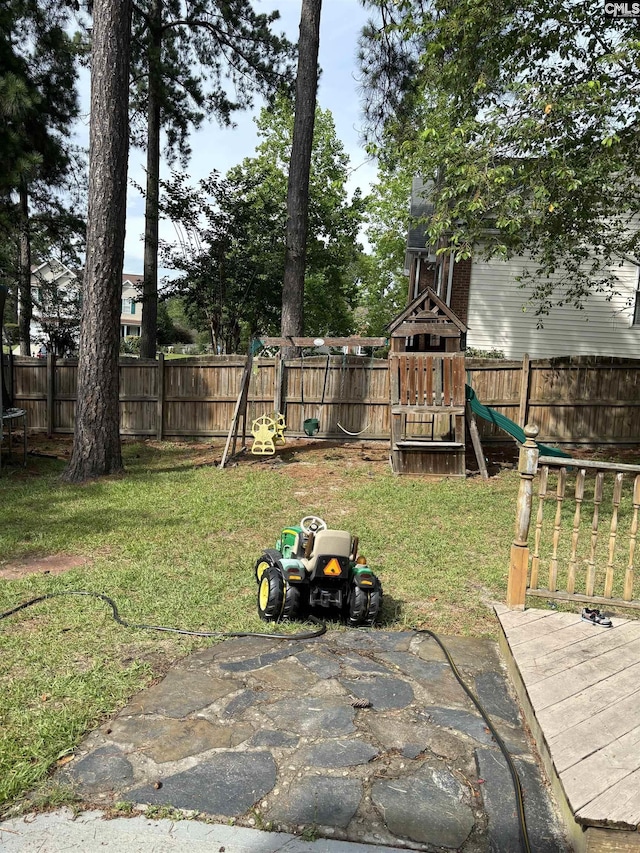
{"points": [[496, 319]]}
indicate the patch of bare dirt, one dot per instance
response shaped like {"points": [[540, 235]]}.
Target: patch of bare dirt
{"points": [[55, 564], [312, 461]]}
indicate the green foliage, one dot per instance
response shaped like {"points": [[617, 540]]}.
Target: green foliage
{"points": [[208, 60], [38, 98], [172, 324], [232, 250], [383, 290], [473, 352], [130, 345], [524, 118], [38, 103]]}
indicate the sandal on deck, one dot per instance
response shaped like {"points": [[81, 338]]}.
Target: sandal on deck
{"points": [[595, 617]]}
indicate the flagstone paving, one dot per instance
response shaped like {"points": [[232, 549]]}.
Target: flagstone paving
{"points": [[362, 736]]}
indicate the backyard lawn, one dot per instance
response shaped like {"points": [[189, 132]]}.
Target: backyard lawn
{"points": [[174, 542]]}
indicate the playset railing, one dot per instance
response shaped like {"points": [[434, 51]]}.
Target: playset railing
{"points": [[427, 381], [576, 530]]}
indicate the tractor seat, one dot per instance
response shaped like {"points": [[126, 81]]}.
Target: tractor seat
{"points": [[334, 543]]}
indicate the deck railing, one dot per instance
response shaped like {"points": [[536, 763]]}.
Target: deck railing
{"points": [[576, 530]]}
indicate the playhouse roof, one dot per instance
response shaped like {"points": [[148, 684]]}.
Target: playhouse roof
{"points": [[427, 314]]}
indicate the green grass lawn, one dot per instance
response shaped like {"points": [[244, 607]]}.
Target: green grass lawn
{"points": [[174, 542]]}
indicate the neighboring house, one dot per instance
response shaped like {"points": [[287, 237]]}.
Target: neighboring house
{"points": [[131, 316], [57, 297], [487, 297]]}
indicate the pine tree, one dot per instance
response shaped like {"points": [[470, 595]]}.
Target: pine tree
{"points": [[197, 59], [38, 103], [298, 186], [96, 442]]}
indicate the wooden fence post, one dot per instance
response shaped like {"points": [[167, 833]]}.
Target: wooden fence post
{"points": [[160, 404], [524, 389], [51, 390], [519, 562]]}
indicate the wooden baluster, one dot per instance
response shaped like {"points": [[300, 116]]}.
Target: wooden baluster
{"points": [[535, 557], [420, 383], [571, 575], [411, 389], [437, 376], [553, 565], [613, 531], [633, 535], [591, 562], [428, 387], [447, 365]]}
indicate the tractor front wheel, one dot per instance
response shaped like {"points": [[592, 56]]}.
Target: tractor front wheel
{"points": [[269, 558], [271, 594]]}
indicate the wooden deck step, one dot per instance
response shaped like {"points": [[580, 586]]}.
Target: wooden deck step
{"points": [[580, 689]]}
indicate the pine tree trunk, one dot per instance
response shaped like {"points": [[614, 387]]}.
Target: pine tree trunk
{"points": [[149, 329], [292, 322], [96, 444], [26, 306]]}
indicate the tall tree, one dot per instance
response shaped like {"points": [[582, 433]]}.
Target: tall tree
{"points": [[96, 441], [300, 163], [525, 118], [231, 257], [197, 58], [38, 103]]}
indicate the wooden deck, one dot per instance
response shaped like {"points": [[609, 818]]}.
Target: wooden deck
{"points": [[579, 685]]}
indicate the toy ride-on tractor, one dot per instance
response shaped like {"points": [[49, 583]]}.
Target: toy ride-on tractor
{"points": [[311, 567]]}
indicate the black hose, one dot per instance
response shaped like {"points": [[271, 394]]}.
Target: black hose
{"points": [[305, 635], [522, 825]]}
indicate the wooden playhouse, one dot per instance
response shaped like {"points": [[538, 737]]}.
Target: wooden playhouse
{"points": [[427, 387]]}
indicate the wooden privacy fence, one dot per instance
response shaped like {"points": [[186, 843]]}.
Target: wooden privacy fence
{"points": [[196, 397], [576, 530], [579, 400]]}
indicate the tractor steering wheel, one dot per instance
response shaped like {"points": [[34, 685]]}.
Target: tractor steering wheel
{"points": [[312, 524]]}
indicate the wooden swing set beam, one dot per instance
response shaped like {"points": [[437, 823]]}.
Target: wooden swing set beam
{"points": [[319, 341]]}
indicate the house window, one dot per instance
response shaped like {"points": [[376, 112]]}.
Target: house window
{"points": [[636, 310], [128, 306]]}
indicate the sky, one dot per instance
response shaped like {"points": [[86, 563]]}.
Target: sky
{"points": [[220, 149]]}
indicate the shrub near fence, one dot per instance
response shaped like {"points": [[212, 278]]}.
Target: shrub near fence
{"points": [[580, 400]]}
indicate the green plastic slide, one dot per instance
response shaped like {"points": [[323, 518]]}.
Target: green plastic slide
{"points": [[506, 424]]}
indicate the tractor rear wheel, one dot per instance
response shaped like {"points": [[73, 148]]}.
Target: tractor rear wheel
{"points": [[358, 606], [292, 602], [364, 606], [271, 594], [375, 600]]}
